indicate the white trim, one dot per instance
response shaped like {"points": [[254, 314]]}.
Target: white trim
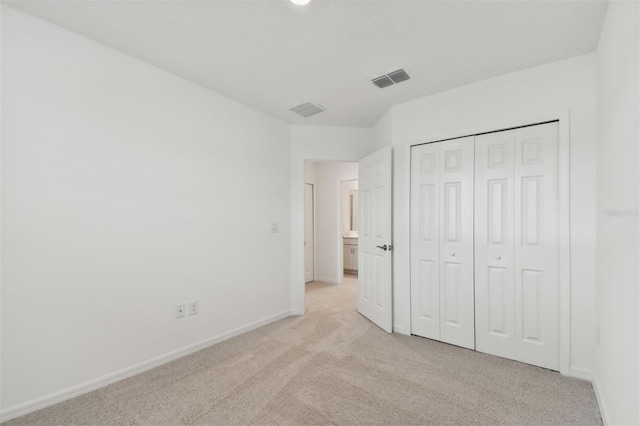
{"points": [[91, 385], [564, 243], [339, 243], [604, 412], [313, 219], [564, 267], [401, 330], [581, 373]]}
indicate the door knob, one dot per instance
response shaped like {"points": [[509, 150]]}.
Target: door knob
{"points": [[498, 257], [453, 253], [385, 247]]}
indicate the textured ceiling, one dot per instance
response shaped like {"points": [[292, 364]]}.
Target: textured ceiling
{"points": [[272, 55]]}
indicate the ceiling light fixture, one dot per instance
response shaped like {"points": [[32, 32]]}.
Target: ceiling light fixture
{"points": [[300, 2]]}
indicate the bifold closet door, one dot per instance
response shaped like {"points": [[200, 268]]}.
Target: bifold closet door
{"points": [[442, 241], [494, 250], [516, 244]]}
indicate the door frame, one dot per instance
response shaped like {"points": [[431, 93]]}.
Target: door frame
{"points": [[313, 229], [564, 231], [298, 181]]}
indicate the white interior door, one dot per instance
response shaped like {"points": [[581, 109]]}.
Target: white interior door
{"points": [[442, 241], [517, 281], [425, 240], [374, 238], [536, 245], [456, 243], [308, 233], [494, 250]]}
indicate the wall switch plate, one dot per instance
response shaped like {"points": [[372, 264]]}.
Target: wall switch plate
{"points": [[180, 310], [193, 307], [275, 227]]}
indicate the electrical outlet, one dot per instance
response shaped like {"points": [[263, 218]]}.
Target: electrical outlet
{"points": [[194, 307], [180, 310]]}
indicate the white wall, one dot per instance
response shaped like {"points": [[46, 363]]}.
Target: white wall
{"points": [[616, 377], [328, 217], [383, 130], [524, 97], [310, 172], [126, 190], [316, 143]]}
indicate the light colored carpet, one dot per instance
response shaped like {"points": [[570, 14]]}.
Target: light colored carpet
{"points": [[332, 366]]}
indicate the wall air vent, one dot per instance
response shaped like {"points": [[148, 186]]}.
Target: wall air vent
{"points": [[307, 109], [391, 78]]}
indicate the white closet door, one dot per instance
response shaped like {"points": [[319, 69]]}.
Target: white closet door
{"points": [[442, 241], [516, 247], [425, 241], [456, 242], [494, 251], [536, 245]]}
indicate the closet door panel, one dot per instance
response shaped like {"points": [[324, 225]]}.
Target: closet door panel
{"points": [[456, 242], [494, 244], [425, 232], [536, 245]]}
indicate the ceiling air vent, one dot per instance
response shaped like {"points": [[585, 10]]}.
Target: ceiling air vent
{"points": [[307, 109], [391, 78]]}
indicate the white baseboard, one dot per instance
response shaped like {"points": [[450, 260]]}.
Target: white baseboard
{"points": [[581, 373], [600, 398], [91, 385], [400, 329], [297, 312]]}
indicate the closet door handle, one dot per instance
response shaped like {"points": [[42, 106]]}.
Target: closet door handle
{"points": [[498, 257], [452, 254]]}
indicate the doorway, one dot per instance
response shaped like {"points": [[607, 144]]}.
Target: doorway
{"points": [[330, 216], [375, 282]]}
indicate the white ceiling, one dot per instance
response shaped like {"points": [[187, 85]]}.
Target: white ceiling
{"points": [[272, 54]]}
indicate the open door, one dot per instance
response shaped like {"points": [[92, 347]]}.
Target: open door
{"points": [[374, 240]]}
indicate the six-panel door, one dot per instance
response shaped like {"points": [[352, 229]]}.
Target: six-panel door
{"points": [[494, 250], [456, 243], [536, 245], [442, 242], [375, 239], [425, 241], [511, 242]]}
